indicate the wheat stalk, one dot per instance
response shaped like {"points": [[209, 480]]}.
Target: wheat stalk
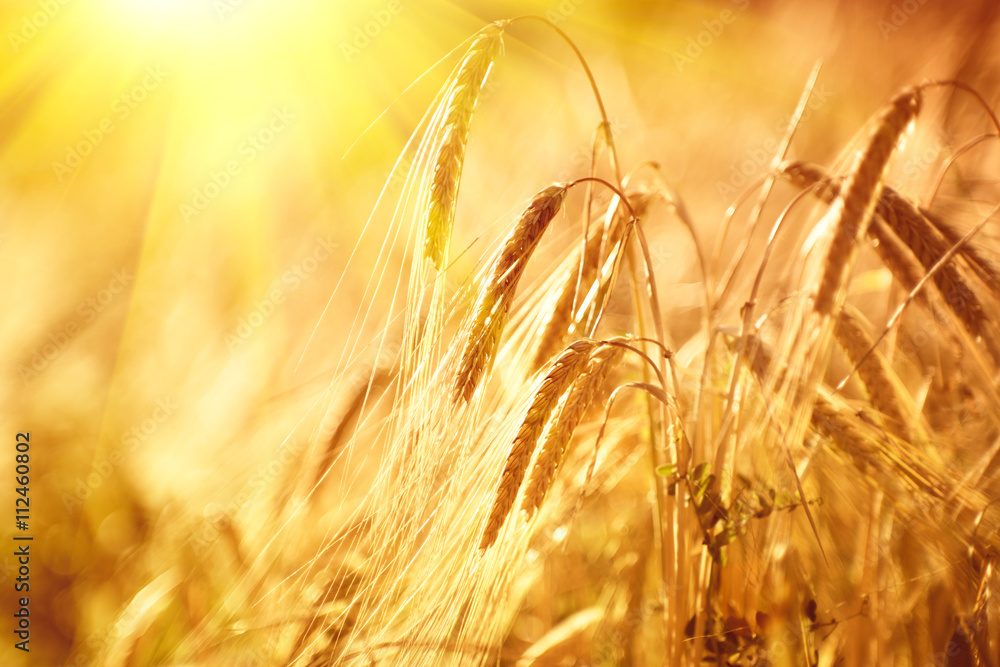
{"points": [[461, 102], [482, 336]]}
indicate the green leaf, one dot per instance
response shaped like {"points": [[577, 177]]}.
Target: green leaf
{"points": [[667, 470]]}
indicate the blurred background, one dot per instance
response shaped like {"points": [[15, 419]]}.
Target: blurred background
{"points": [[190, 235]]}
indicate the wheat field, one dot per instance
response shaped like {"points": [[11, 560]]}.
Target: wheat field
{"points": [[500, 333]]}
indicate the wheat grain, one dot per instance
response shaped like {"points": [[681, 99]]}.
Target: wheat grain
{"points": [[482, 336], [853, 207], [571, 411], [905, 267], [559, 320], [565, 369], [461, 101]]}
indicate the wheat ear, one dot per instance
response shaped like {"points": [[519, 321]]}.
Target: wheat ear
{"points": [[854, 205], [856, 342], [898, 219], [561, 320], [461, 101], [983, 265], [564, 370], [482, 336], [572, 409]]}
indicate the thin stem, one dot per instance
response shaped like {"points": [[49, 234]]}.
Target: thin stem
{"points": [[969, 145], [590, 78]]}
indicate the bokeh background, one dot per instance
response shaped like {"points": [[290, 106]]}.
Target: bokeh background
{"points": [[191, 232]]}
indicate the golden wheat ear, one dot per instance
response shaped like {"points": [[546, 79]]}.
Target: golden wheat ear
{"points": [[853, 207], [482, 333], [875, 374], [899, 222], [563, 372], [560, 431], [460, 103], [561, 322]]}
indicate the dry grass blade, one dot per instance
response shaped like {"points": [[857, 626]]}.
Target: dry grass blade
{"points": [[572, 409], [482, 336], [852, 209], [361, 394], [461, 102], [564, 371]]}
